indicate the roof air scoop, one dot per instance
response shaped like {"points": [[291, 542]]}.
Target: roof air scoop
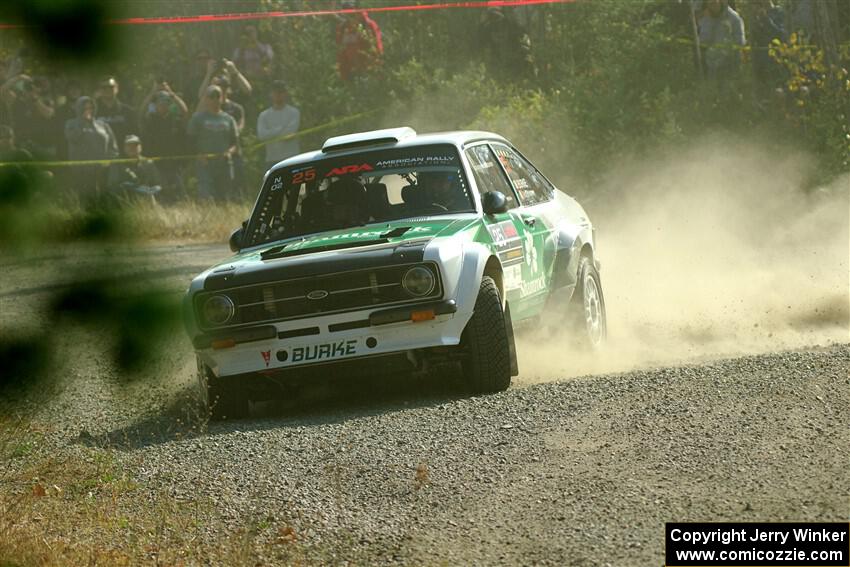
{"points": [[373, 138]]}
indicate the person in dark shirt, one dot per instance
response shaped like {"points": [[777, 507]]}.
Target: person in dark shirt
{"points": [[31, 111], [89, 138], [163, 119], [20, 175], [68, 91], [139, 177], [194, 71], [768, 23], [237, 111], [505, 45], [118, 115], [9, 151]]}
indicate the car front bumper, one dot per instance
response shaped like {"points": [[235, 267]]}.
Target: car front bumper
{"points": [[318, 340]]}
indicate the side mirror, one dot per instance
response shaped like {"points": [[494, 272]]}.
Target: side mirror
{"points": [[236, 238], [494, 202]]}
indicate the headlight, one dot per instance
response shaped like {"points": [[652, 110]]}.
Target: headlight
{"points": [[418, 281], [218, 309]]}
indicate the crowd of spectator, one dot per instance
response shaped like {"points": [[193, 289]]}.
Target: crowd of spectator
{"points": [[192, 130], [186, 139]]}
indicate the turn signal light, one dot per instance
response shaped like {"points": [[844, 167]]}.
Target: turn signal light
{"points": [[418, 316], [223, 343]]}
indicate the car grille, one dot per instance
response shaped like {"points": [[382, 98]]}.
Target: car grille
{"points": [[320, 295]]}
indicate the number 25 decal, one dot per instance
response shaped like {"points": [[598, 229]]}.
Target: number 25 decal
{"points": [[303, 176]]}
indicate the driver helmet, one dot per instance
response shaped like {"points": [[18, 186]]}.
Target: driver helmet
{"points": [[439, 185], [436, 179], [346, 198]]}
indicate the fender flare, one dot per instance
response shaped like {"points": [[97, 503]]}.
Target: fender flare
{"points": [[569, 245], [481, 260]]}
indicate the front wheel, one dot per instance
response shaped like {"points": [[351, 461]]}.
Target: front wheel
{"points": [[587, 308], [487, 367]]}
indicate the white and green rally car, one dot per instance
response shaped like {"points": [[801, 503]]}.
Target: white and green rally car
{"points": [[392, 250]]}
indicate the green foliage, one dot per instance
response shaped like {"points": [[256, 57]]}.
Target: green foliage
{"points": [[820, 95]]}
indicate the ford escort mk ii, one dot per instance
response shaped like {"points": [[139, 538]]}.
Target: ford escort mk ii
{"points": [[393, 250]]}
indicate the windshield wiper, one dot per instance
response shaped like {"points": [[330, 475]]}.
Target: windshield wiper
{"points": [[396, 232], [276, 249]]}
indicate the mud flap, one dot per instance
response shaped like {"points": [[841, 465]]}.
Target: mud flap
{"points": [[559, 299], [509, 327]]}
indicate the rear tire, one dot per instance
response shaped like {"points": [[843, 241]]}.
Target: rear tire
{"points": [[487, 367], [587, 314], [220, 398]]}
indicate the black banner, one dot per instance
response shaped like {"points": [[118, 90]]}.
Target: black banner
{"points": [[757, 544]]}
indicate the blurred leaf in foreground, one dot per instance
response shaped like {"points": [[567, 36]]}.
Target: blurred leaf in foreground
{"points": [[23, 361], [75, 30]]}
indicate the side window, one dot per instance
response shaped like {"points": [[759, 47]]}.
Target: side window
{"points": [[530, 185], [488, 175]]}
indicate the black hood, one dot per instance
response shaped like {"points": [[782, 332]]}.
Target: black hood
{"points": [[318, 264]]}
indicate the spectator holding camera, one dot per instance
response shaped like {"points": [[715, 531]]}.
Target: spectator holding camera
{"points": [[215, 138], [163, 116], [237, 112], [31, 110], [193, 74], [223, 68], [233, 108]]}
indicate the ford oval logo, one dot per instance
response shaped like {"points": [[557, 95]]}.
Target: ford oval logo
{"points": [[317, 294]]}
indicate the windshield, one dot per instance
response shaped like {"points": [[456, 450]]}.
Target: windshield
{"points": [[356, 189]]}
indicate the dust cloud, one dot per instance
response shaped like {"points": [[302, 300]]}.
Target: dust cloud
{"points": [[710, 251]]}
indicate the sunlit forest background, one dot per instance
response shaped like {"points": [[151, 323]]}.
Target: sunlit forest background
{"points": [[577, 85]]}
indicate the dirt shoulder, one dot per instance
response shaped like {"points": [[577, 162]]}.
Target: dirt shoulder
{"points": [[580, 472]]}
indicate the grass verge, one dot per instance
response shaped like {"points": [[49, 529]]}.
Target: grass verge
{"points": [[79, 505]]}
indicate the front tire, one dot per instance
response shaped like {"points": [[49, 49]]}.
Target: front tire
{"points": [[589, 319], [487, 367]]}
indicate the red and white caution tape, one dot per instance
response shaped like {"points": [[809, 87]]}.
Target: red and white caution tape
{"points": [[202, 18]]}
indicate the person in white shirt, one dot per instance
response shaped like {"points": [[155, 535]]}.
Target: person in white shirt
{"points": [[277, 121]]}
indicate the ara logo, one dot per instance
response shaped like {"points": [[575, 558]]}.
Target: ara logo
{"points": [[337, 171], [267, 356]]}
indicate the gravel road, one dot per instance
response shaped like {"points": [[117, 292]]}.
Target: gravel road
{"points": [[582, 471]]}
